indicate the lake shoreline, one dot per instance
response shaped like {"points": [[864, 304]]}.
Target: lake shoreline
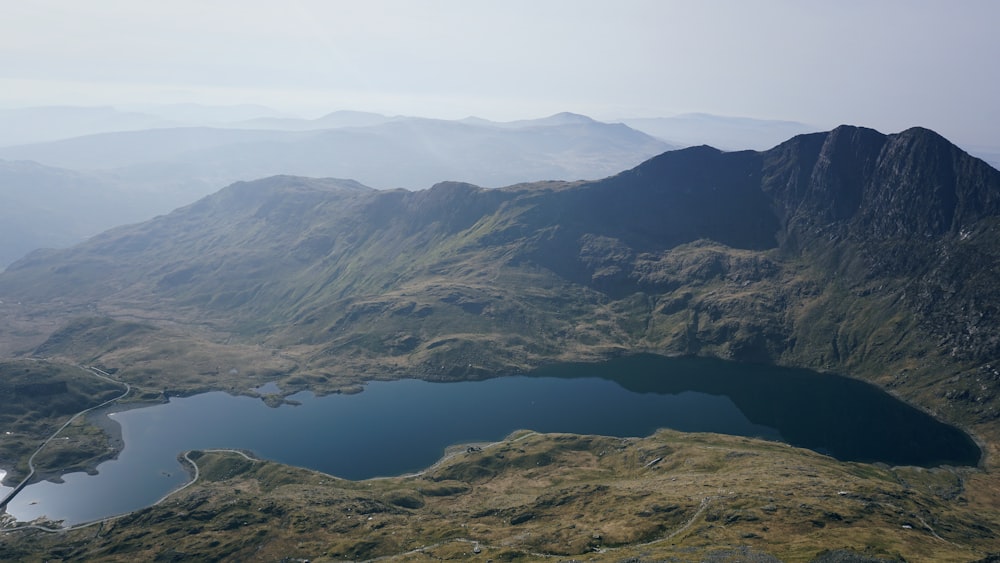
{"points": [[691, 396], [109, 427]]}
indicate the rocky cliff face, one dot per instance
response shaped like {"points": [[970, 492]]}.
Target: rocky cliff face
{"points": [[910, 208], [913, 184]]}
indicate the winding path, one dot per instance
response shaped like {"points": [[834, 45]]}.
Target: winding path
{"points": [[31, 460], [197, 472]]}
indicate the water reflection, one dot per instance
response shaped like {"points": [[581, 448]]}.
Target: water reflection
{"points": [[847, 419]]}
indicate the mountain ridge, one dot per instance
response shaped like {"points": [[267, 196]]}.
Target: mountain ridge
{"points": [[140, 174], [809, 254]]}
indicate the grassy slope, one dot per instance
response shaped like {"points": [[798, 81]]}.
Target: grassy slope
{"points": [[534, 496]]}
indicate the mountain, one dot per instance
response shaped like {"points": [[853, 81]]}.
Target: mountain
{"points": [[729, 133], [405, 152], [154, 171], [868, 254]]}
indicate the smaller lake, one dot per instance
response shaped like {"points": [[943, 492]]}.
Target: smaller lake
{"points": [[400, 427]]}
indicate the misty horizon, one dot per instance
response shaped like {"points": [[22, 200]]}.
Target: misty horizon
{"points": [[889, 66]]}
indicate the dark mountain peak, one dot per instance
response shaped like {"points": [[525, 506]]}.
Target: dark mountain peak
{"points": [[913, 183], [923, 138], [925, 185], [852, 145], [846, 158], [853, 132], [681, 196], [809, 147], [922, 134], [679, 164], [848, 129], [697, 150]]}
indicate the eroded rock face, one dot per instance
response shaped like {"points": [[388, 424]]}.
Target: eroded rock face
{"points": [[912, 184]]}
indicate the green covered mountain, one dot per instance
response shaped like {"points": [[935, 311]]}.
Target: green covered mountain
{"points": [[867, 254]]}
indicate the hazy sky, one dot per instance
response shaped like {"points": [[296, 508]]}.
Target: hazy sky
{"points": [[885, 64]]}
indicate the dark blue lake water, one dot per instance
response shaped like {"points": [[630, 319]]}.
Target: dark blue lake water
{"points": [[399, 427]]}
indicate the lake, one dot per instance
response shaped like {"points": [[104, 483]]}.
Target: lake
{"points": [[400, 427]]}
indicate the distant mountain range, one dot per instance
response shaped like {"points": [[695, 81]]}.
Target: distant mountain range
{"points": [[133, 175], [44, 124], [868, 254], [412, 153]]}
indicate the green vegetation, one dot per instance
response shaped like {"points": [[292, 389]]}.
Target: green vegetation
{"points": [[532, 497]]}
